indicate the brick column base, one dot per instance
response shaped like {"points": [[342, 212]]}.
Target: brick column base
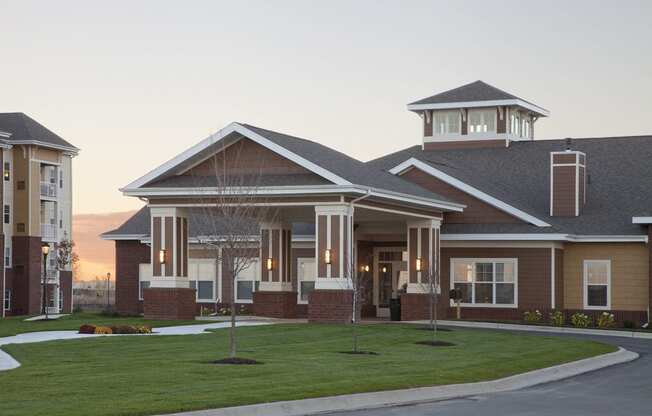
{"points": [[275, 304], [415, 306], [169, 303], [330, 306]]}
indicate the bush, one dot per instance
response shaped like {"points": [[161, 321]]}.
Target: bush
{"points": [[124, 329], [606, 320], [87, 329], [557, 318], [103, 330], [629, 324], [533, 317], [143, 329], [580, 320]]}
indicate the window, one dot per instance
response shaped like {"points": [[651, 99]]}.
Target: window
{"points": [[597, 282], [20, 227], [7, 304], [526, 129], [144, 284], [515, 122], [486, 281], [306, 278], [7, 213], [60, 178], [60, 300], [445, 122], [7, 257], [482, 121], [7, 171], [201, 273], [247, 283]]}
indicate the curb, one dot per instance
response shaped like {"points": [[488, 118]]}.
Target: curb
{"points": [[381, 399], [537, 328]]}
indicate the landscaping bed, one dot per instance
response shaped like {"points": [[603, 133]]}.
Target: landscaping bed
{"points": [[155, 375]]}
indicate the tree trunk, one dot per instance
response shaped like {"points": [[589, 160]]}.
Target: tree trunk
{"points": [[232, 350], [354, 321]]}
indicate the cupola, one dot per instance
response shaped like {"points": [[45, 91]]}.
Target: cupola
{"points": [[476, 115]]}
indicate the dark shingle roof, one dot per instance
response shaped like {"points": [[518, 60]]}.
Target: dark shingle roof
{"points": [[619, 172], [22, 128]]}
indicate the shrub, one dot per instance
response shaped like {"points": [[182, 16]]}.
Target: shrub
{"points": [[629, 324], [533, 317], [580, 320], [557, 318], [606, 320], [143, 329], [87, 329], [224, 311], [103, 330], [124, 329]]}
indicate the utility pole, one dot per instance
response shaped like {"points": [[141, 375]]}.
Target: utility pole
{"points": [[108, 290]]}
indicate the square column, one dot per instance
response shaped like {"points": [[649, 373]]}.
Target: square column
{"points": [[332, 299], [275, 296], [169, 295]]}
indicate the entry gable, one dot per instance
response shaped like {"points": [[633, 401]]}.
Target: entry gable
{"points": [[480, 206]]}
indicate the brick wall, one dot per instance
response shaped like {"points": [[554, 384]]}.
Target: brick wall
{"points": [[330, 306], [275, 304], [128, 256], [65, 281], [169, 303], [26, 296]]}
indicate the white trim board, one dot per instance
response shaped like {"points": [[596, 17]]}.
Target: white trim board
{"points": [[641, 220], [456, 183], [472, 104], [547, 237]]}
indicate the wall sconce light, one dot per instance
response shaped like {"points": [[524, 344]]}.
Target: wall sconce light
{"points": [[161, 256], [270, 264], [384, 269], [418, 264], [365, 268], [327, 256]]}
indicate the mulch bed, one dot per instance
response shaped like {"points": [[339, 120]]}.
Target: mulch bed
{"points": [[436, 343], [236, 361], [359, 352], [428, 328]]}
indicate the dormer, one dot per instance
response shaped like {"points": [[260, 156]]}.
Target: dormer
{"points": [[476, 115]]}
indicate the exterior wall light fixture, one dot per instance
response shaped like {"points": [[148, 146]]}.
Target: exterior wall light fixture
{"points": [[418, 264], [270, 264], [162, 256], [327, 256]]}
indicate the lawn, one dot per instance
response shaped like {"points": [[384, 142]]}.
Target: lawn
{"points": [[17, 325], [144, 375]]}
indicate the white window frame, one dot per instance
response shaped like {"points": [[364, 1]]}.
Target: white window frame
{"points": [[300, 277], [144, 268], [6, 167], [197, 262], [60, 305], [435, 129], [474, 261], [482, 118], [7, 300], [6, 211], [7, 255], [585, 284], [255, 265]]}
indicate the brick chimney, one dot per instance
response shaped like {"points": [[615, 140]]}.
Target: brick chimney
{"points": [[567, 182]]}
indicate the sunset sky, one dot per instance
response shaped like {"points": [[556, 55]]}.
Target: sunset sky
{"points": [[134, 83]]}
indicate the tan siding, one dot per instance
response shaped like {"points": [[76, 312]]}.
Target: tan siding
{"points": [[47, 155], [629, 274]]}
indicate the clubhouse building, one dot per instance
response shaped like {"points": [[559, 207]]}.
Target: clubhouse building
{"points": [[513, 223]]}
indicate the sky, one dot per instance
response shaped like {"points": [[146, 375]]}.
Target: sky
{"points": [[135, 83]]}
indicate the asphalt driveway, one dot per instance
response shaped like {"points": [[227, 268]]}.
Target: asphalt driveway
{"points": [[624, 389]]}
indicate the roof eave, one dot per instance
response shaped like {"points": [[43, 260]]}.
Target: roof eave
{"points": [[484, 103], [69, 149]]}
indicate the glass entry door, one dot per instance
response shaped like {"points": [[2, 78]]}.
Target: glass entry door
{"points": [[389, 265], [385, 284]]}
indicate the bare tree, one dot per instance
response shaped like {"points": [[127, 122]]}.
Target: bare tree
{"points": [[432, 275], [230, 217]]}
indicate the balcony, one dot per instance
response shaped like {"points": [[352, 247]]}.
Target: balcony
{"points": [[48, 190], [49, 232], [51, 276]]}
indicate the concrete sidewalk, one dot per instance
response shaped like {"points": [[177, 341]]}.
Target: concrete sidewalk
{"points": [[382, 399]]}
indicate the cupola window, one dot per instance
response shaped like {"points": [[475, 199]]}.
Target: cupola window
{"points": [[482, 121], [446, 122]]}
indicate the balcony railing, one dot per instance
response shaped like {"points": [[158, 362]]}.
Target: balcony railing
{"points": [[51, 275], [48, 189], [49, 232]]}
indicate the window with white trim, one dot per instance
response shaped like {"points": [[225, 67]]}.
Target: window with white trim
{"points": [[7, 214], [8, 257], [201, 273], [445, 122], [7, 304], [60, 300], [144, 278], [7, 171], [486, 281], [482, 121], [247, 282], [597, 284], [306, 272], [526, 129], [515, 124], [144, 284]]}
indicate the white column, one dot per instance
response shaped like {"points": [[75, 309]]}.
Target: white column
{"points": [[169, 247], [276, 244], [423, 247]]}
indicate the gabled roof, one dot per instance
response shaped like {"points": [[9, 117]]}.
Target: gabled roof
{"points": [[475, 94], [26, 130], [619, 180], [342, 171]]}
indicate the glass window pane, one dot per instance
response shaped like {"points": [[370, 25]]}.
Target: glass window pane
{"points": [[505, 293], [462, 272], [205, 290], [193, 284], [484, 272], [306, 288], [597, 273], [453, 123], [245, 290], [484, 293], [505, 272], [597, 295], [489, 120], [465, 288], [143, 285]]}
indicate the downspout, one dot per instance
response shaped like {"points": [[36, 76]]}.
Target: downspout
{"points": [[353, 257]]}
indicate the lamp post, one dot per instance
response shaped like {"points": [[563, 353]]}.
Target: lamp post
{"points": [[108, 290], [45, 249]]}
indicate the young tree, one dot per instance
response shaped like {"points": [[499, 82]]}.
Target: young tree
{"points": [[66, 256], [432, 275], [230, 218]]}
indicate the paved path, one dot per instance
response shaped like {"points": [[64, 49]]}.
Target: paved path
{"points": [[625, 389], [7, 362]]}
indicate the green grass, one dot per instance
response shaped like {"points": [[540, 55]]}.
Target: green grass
{"points": [[17, 325], [143, 375]]}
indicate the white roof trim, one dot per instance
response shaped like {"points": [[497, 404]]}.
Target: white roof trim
{"points": [[110, 237], [641, 220], [489, 103], [235, 128], [547, 237], [416, 163], [4, 134], [73, 150]]}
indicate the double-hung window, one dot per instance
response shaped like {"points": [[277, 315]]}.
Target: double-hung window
{"points": [[144, 278], [247, 282], [7, 304], [201, 273], [482, 121], [7, 214], [7, 171], [8, 256], [445, 122], [597, 284], [486, 281], [515, 124], [306, 278]]}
